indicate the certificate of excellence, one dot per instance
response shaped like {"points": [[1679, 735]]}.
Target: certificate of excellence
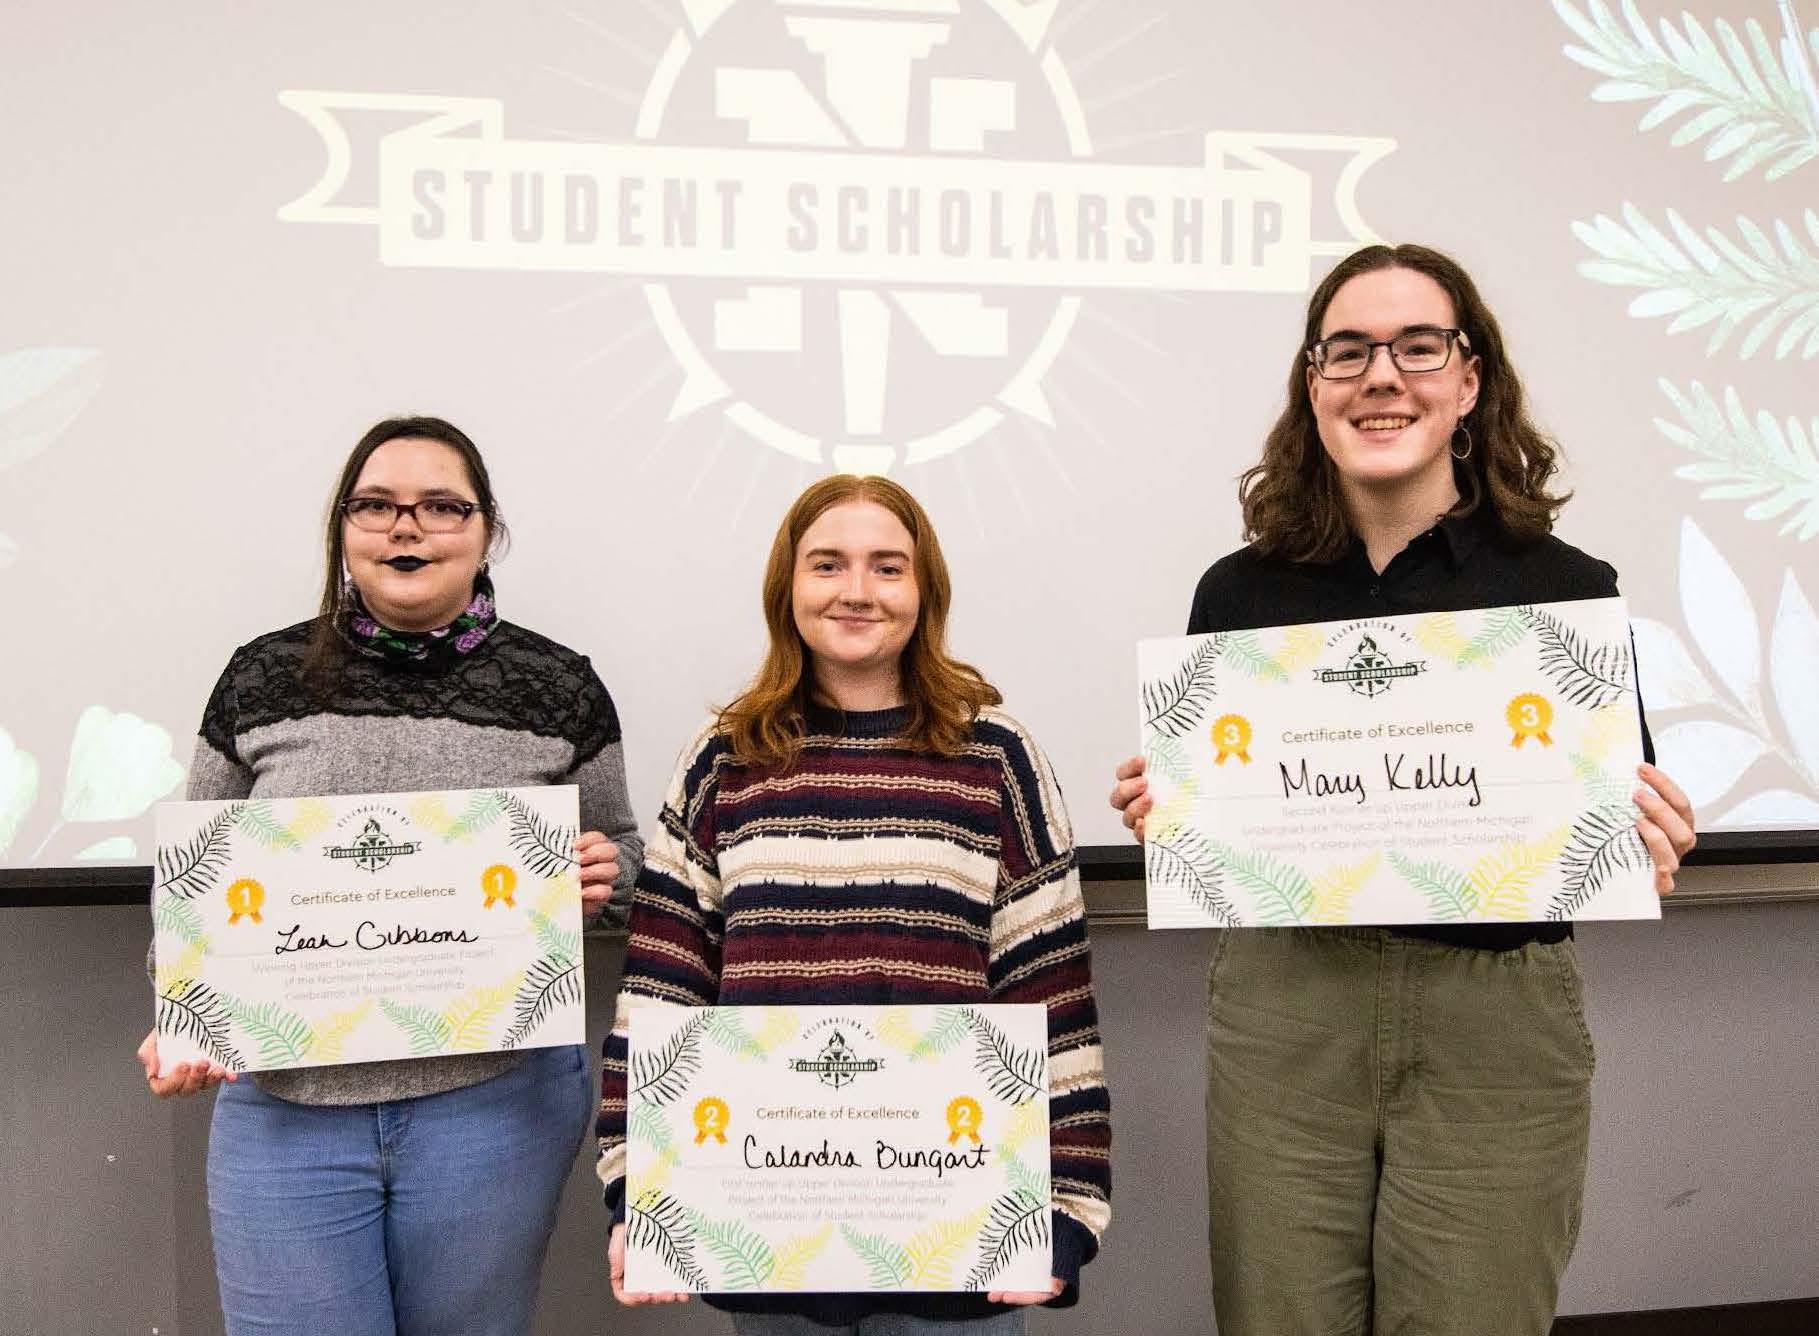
{"points": [[775, 1149], [302, 932], [1454, 767]]}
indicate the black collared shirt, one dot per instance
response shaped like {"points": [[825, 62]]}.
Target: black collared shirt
{"points": [[1462, 562]]}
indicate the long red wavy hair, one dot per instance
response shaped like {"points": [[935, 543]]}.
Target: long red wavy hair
{"points": [[944, 696]]}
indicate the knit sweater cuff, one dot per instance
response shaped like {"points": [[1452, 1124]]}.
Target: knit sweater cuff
{"points": [[1075, 1246]]}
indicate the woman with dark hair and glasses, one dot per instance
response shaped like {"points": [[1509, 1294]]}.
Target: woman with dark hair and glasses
{"points": [[410, 1196], [1397, 1117]]}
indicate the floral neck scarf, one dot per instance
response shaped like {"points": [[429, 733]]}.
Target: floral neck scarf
{"points": [[462, 636]]}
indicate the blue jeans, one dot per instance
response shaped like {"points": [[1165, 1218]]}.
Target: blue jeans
{"points": [[880, 1324], [406, 1218]]}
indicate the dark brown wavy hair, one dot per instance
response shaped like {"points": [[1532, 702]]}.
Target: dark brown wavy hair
{"points": [[328, 649], [945, 696], [1292, 503]]}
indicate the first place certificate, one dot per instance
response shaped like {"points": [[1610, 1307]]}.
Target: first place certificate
{"points": [[311, 931], [1441, 768], [776, 1149]]}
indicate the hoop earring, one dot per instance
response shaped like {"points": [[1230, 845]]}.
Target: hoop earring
{"points": [[1460, 429]]}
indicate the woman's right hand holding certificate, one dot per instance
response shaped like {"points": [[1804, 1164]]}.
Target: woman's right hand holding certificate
{"points": [[186, 1078], [1131, 796], [615, 1270]]}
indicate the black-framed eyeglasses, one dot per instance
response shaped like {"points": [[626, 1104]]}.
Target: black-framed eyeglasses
{"points": [[1414, 350], [433, 514]]}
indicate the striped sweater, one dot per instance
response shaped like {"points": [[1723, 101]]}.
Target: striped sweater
{"points": [[870, 874]]}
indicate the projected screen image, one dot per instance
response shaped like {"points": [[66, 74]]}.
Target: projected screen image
{"points": [[1044, 263]]}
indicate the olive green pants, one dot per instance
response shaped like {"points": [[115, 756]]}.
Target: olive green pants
{"points": [[1396, 1133]]}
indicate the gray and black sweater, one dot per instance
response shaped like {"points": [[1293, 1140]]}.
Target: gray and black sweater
{"points": [[519, 710]]}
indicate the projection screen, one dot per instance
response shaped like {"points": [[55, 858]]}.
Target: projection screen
{"points": [[667, 261]]}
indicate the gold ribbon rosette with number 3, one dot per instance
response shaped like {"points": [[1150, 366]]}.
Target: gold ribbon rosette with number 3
{"points": [[1530, 716]]}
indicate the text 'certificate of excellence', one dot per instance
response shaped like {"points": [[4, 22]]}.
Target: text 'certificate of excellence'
{"points": [[302, 932], [832, 1149], [1454, 767]]}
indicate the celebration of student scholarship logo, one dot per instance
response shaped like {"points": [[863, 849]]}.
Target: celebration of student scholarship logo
{"points": [[837, 1063], [373, 849], [1370, 669], [858, 255]]}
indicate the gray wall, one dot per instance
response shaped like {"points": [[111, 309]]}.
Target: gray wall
{"points": [[1701, 1189]]}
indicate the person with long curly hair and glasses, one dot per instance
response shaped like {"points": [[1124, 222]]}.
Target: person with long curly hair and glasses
{"points": [[1397, 1118]]}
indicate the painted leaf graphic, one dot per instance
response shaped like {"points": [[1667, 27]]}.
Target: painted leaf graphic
{"points": [[886, 1264], [554, 981], [661, 1225], [470, 1017], [192, 1009], [793, 1256], [1719, 613], [1438, 634], [1502, 629], [1012, 1073], [1707, 757], [1502, 877], [1603, 842], [119, 765], [427, 1031], [1018, 1222], [189, 869], [1175, 705], [1027, 1120], [1280, 891], [283, 1037], [1335, 887], [893, 1027], [177, 918], [1243, 651], [1188, 861], [727, 1031], [934, 1249], [309, 818], [746, 1260], [662, 1075], [1794, 670], [332, 1032], [1300, 646], [18, 787], [255, 819], [1669, 678], [1746, 95], [1774, 466], [42, 391], [949, 1029], [779, 1026], [1450, 897]]}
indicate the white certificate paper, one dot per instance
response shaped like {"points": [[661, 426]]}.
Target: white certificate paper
{"points": [[310, 931], [775, 1149], [1453, 767]]}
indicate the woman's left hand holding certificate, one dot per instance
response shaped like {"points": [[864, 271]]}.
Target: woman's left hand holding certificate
{"points": [[599, 860]]}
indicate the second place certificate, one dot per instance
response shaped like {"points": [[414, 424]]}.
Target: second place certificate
{"points": [[838, 1149]]}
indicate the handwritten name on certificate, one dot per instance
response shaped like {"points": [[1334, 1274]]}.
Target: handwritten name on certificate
{"points": [[303, 932], [775, 1149], [1454, 767]]}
